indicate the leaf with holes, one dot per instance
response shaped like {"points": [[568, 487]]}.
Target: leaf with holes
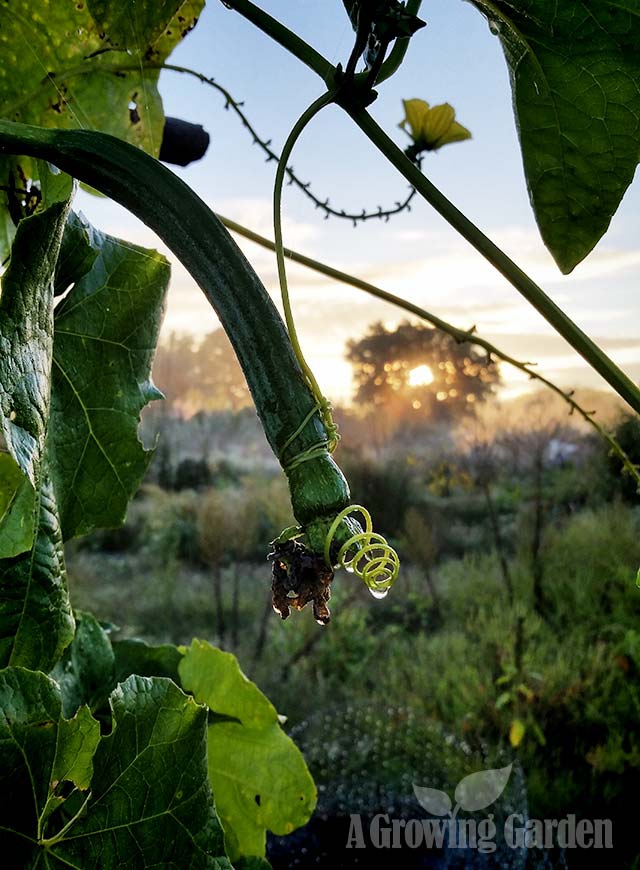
{"points": [[148, 28], [137, 797], [258, 776], [67, 54], [75, 73], [575, 75]]}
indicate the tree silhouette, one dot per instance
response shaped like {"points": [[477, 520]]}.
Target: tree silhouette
{"points": [[417, 372]]}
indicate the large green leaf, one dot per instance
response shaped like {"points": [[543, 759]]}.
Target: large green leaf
{"points": [[106, 329], [147, 28], [35, 617], [86, 671], [575, 73], [137, 657], [36, 622], [139, 797], [76, 256], [71, 424], [61, 66], [26, 337], [257, 773], [57, 64], [151, 803], [39, 752]]}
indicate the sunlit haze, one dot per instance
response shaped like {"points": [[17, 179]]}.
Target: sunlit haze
{"points": [[415, 255], [420, 376]]}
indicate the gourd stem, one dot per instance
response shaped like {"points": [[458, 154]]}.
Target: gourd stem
{"points": [[298, 127]]}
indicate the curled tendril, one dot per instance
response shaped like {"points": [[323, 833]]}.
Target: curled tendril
{"points": [[366, 554]]}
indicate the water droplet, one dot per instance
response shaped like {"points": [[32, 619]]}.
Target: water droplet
{"points": [[379, 593]]}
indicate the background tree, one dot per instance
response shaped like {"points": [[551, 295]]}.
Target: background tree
{"points": [[200, 375], [415, 373]]}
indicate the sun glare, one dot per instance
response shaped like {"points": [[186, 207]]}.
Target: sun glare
{"points": [[421, 376]]}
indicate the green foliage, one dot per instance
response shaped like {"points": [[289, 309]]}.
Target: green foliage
{"points": [[94, 801], [110, 751], [63, 51], [258, 775], [16, 509], [35, 617], [45, 94], [627, 434], [106, 328], [575, 75], [73, 383]]}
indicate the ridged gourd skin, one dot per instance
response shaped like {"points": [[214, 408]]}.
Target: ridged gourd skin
{"points": [[199, 240]]}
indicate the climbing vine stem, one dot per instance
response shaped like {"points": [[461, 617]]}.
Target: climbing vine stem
{"points": [[323, 405], [236, 106]]}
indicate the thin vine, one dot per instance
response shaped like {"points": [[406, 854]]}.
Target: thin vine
{"points": [[323, 405], [305, 186], [236, 106]]}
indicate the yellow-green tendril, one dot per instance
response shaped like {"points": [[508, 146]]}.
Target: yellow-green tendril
{"points": [[366, 554], [323, 405], [311, 452]]}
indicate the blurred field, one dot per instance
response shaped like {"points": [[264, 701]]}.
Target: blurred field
{"points": [[512, 632]]}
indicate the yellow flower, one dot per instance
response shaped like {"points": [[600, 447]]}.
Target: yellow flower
{"points": [[431, 128]]}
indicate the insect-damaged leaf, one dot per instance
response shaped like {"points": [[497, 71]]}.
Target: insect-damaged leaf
{"points": [[61, 66], [575, 75], [258, 776], [42, 44], [137, 797]]}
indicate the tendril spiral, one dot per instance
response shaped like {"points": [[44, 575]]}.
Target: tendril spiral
{"points": [[366, 554]]}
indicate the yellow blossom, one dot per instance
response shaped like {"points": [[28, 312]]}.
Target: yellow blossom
{"points": [[431, 128]]}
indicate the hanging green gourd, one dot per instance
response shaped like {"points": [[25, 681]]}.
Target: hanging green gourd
{"points": [[295, 417]]}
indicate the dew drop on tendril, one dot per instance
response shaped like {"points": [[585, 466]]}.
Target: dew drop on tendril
{"points": [[379, 593]]}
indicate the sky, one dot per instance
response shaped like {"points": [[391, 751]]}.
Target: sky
{"points": [[416, 255]]}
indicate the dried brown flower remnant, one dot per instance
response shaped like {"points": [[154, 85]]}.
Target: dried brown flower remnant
{"points": [[299, 577]]}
